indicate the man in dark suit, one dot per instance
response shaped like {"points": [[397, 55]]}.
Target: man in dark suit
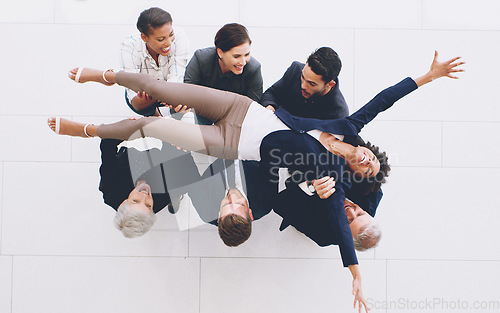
{"points": [[138, 184], [276, 146], [311, 89]]}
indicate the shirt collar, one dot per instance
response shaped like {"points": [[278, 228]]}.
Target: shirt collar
{"points": [[147, 56]]}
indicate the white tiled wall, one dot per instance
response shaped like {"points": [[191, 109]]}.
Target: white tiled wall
{"points": [[60, 253]]}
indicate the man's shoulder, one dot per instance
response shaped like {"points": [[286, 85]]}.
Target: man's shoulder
{"points": [[295, 67], [297, 64]]}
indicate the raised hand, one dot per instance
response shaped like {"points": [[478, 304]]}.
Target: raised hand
{"points": [[440, 69], [446, 68]]}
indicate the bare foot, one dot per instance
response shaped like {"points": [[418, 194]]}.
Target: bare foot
{"points": [[92, 75], [67, 127]]}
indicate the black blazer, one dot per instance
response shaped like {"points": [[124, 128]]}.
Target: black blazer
{"points": [[298, 151], [286, 93], [172, 172]]}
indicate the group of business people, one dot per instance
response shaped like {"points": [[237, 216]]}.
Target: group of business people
{"points": [[301, 153]]}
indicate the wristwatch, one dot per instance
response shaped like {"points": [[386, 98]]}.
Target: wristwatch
{"points": [[310, 186]]}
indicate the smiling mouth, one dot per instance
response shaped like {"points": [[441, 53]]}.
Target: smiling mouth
{"points": [[364, 160], [145, 189], [165, 50]]}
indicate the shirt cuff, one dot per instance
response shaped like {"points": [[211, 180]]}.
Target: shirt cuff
{"points": [[303, 186]]}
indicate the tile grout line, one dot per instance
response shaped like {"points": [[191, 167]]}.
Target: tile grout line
{"points": [[11, 283], [199, 289], [239, 10], [386, 282], [422, 14]]}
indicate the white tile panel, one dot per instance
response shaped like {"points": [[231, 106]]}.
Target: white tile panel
{"points": [[64, 214], [5, 283], [341, 14], [395, 54], [461, 14], [437, 286], [52, 51], [105, 284], [27, 12], [471, 144], [283, 285], [28, 138], [440, 214], [196, 12], [404, 141]]}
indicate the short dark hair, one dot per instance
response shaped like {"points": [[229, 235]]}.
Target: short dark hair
{"points": [[230, 36], [234, 229], [152, 18], [325, 62]]}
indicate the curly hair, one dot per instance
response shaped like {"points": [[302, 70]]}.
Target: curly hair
{"points": [[373, 184]]}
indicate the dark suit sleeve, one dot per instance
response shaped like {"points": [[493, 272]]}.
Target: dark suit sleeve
{"points": [[274, 95], [381, 102], [112, 178], [322, 220], [339, 101]]}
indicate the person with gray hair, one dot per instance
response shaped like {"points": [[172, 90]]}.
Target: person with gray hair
{"points": [[135, 217], [366, 232], [133, 186]]}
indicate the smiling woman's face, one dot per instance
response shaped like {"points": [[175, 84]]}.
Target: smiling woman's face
{"points": [[159, 40], [234, 60], [141, 198], [363, 162]]}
